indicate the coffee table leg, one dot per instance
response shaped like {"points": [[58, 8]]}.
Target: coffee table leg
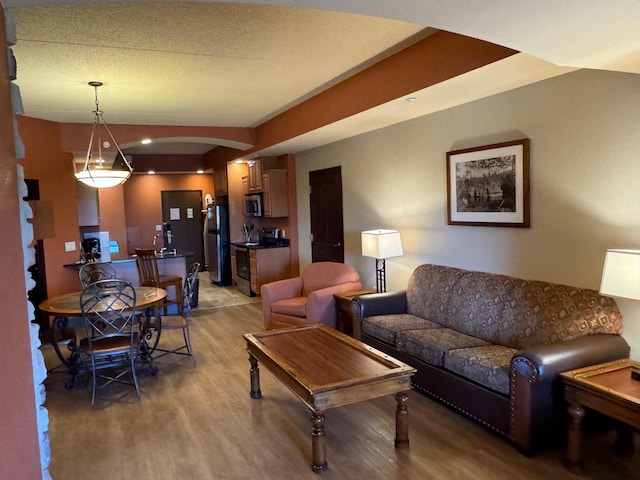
{"points": [[318, 451], [402, 420], [254, 373], [573, 460], [624, 439]]}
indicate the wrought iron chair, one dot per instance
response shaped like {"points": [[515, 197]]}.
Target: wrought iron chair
{"points": [[95, 271], [181, 320], [149, 276], [113, 340]]}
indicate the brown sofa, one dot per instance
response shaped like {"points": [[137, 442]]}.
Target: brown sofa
{"points": [[491, 346]]}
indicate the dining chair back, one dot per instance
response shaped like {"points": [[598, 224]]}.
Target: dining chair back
{"points": [[181, 320], [92, 272], [149, 276], [112, 343]]}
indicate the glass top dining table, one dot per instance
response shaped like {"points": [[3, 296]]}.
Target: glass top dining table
{"points": [[68, 304], [67, 315]]}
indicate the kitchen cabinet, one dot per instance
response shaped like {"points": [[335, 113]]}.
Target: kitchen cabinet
{"points": [[87, 201], [245, 190], [255, 175], [220, 181], [275, 196], [268, 265]]}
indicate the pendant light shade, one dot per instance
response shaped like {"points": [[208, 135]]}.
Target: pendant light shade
{"points": [[102, 169]]}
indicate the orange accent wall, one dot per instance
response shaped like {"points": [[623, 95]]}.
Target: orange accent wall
{"points": [[142, 197], [53, 168], [19, 447]]}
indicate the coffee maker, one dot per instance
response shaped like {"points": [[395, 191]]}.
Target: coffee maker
{"points": [[90, 249]]}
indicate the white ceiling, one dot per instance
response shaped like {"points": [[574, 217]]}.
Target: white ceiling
{"points": [[239, 64]]}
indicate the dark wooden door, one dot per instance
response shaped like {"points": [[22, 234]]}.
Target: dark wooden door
{"points": [[182, 215], [327, 230]]}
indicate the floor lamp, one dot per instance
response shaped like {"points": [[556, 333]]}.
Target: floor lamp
{"points": [[621, 278], [381, 244]]}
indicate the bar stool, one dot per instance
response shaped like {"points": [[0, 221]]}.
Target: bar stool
{"points": [[147, 264]]}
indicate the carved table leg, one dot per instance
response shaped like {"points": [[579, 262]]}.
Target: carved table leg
{"points": [[573, 460], [254, 373], [402, 420], [318, 451]]}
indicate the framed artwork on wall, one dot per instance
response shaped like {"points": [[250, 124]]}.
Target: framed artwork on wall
{"points": [[489, 185]]}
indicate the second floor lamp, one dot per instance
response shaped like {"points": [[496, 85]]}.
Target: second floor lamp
{"points": [[381, 244]]}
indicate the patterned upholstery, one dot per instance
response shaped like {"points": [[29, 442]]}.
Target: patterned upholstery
{"points": [[486, 318], [488, 365], [431, 345], [506, 310], [429, 290], [385, 327]]}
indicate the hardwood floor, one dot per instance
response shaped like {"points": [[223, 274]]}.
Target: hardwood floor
{"points": [[199, 422]]}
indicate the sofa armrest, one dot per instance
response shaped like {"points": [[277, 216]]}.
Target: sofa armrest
{"points": [[379, 304], [278, 290], [546, 361], [321, 303], [537, 406], [387, 303]]}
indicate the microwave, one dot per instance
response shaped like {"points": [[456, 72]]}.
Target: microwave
{"points": [[253, 205]]}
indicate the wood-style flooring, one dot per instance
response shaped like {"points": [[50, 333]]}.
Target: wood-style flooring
{"points": [[199, 422]]}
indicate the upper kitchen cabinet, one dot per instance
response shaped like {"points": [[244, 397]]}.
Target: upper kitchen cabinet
{"points": [[275, 197], [88, 211], [255, 175], [220, 181]]}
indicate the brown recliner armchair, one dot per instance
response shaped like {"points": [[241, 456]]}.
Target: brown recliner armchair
{"points": [[307, 299]]}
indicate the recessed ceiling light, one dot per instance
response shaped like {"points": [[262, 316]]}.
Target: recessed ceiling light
{"points": [[200, 171], [151, 172], [145, 141]]}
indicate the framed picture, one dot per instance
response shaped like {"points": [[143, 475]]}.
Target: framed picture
{"points": [[489, 185]]}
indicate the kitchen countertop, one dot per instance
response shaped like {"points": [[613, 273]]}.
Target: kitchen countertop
{"points": [[258, 246], [125, 257]]}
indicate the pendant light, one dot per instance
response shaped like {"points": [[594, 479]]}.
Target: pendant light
{"points": [[98, 171]]}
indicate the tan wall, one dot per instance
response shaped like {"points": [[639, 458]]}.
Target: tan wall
{"points": [[584, 193]]}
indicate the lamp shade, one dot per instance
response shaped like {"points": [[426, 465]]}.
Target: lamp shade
{"points": [[381, 243], [621, 274]]}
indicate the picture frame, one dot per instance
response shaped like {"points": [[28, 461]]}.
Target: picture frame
{"points": [[489, 185]]}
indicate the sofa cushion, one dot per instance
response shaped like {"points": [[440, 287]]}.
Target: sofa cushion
{"points": [[430, 345], [488, 365], [478, 302], [429, 291], [548, 313], [385, 327], [296, 307]]}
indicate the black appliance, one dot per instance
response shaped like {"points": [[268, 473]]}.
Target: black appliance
{"points": [[218, 246], [253, 204], [243, 271], [272, 237], [90, 248]]}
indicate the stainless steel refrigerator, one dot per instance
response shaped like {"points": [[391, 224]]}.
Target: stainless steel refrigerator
{"points": [[218, 246]]}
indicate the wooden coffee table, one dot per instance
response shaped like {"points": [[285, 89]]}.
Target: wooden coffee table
{"points": [[609, 389], [328, 369]]}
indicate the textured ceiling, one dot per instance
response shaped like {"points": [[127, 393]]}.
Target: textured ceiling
{"points": [[239, 64]]}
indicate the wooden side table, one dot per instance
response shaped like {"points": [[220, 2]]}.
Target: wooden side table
{"points": [[344, 316], [606, 388]]}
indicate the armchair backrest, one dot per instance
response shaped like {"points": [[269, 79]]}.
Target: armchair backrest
{"points": [[325, 274]]}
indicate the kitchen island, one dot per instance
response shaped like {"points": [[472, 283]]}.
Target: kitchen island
{"points": [[174, 264]]}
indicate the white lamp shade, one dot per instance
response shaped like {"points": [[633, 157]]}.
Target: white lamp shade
{"points": [[381, 243], [103, 178], [621, 274]]}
